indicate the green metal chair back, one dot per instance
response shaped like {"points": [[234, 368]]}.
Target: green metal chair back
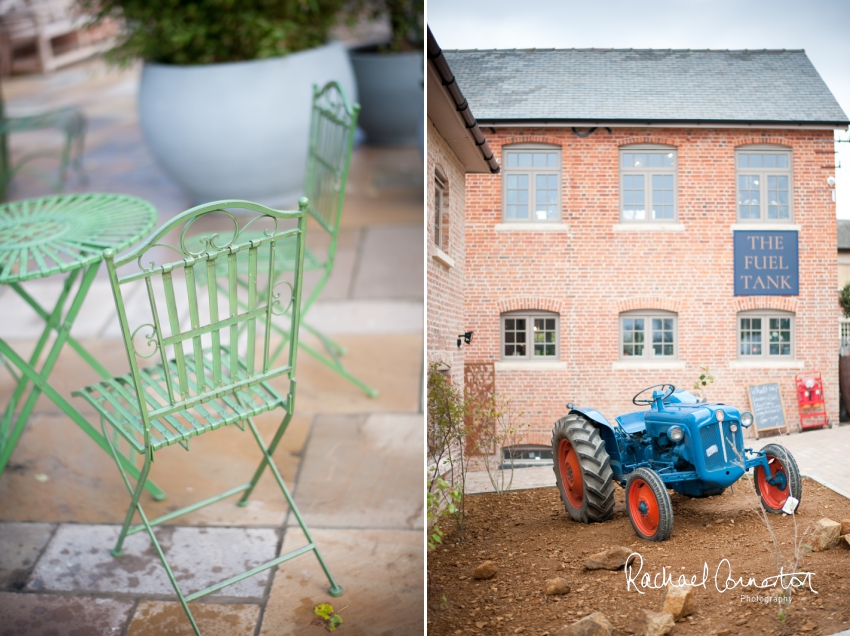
{"points": [[332, 125], [203, 361]]}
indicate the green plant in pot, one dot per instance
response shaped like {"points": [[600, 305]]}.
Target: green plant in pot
{"points": [[389, 74], [224, 98]]}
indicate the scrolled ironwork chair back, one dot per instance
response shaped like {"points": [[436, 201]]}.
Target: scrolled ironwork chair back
{"points": [[191, 324], [332, 126]]}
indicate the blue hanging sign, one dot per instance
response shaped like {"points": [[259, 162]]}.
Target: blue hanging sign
{"points": [[766, 263]]}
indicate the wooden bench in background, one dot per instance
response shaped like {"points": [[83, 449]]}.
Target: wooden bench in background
{"points": [[38, 36]]}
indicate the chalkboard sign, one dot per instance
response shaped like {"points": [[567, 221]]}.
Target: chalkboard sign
{"points": [[766, 402]]}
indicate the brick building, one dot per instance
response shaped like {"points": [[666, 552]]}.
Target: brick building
{"points": [[456, 147], [657, 212]]}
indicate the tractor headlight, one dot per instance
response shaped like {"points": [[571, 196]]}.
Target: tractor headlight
{"points": [[719, 415], [675, 433], [733, 428], [746, 419]]}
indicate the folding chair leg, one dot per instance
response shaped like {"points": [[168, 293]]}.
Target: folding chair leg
{"points": [[335, 589], [136, 492], [243, 500], [169, 572]]}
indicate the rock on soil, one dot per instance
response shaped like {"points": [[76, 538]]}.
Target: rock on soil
{"points": [[651, 623], [486, 570], [825, 535], [678, 601], [592, 625], [845, 526], [556, 587], [846, 542], [610, 559]]}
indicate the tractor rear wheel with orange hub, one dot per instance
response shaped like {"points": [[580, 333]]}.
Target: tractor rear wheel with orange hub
{"points": [[582, 469]]}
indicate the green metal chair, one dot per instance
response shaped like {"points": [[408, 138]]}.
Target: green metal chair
{"points": [[331, 141], [206, 375], [69, 120]]}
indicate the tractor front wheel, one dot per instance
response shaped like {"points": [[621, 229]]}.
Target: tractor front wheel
{"points": [[785, 475], [648, 504], [582, 470]]}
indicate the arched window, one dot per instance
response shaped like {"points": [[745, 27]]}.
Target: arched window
{"points": [[764, 184], [649, 186], [765, 333], [530, 335], [531, 183], [649, 335]]}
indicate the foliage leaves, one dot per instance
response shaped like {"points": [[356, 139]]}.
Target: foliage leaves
{"points": [[326, 616], [844, 300], [213, 31]]}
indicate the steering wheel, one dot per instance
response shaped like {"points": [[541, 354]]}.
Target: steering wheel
{"points": [[664, 387]]}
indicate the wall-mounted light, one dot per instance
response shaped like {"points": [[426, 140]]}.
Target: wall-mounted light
{"points": [[830, 181], [464, 337]]}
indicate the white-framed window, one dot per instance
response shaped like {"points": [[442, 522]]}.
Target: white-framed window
{"points": [[649, 335], [649, 185], [530, 335], [766, 334], [531, 184], [441, 183], [764, 184]]}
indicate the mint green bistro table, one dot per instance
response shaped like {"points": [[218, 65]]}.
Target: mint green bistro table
{"points": [[62, 235]]}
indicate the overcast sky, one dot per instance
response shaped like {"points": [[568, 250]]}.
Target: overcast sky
{"points": [[821, 27]]}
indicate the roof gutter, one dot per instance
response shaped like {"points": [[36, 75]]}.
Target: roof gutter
{"points": [[660, 123], [435, 56]]}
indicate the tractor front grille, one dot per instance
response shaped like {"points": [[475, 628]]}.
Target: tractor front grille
{"points": [[712, 453]]}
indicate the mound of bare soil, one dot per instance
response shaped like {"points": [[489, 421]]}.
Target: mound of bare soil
{"points": [[531, 539]]}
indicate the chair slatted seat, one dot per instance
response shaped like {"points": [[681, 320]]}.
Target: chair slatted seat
{"points": [[116, 400], [210, 366]]}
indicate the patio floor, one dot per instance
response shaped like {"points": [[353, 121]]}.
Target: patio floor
{"points": [[353, 463]]}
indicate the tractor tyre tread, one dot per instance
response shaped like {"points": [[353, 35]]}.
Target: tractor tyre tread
{"points": [[795, 481], [598, 478], [665, 506]]}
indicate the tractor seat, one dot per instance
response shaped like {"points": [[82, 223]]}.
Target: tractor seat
{"points": [[633, 423]]}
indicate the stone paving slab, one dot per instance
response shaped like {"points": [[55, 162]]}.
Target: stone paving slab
{"points": [[57, 473], [373, 317], [363, 472], [381, 573], [391, 363], [392, 263], [77, 559], [20, 545], [46, 615], [161, 618]]}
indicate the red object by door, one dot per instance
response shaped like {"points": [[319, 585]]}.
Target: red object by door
{"points": [[811, 400]]}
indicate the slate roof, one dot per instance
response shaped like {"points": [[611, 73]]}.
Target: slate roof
{"points": [[843, 234], [598, 85]]}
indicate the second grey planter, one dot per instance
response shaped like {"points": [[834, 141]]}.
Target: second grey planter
{"points": [[391, 95], [238, 130]]}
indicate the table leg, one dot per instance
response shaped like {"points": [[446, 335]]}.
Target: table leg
{"points": [[69, 410], [38, 378]]}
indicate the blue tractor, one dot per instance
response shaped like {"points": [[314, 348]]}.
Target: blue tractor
{"points": [[697, 449]]}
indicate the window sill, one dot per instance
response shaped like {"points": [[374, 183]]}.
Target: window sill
{"points": [[532, 227], [441, 257], [763, 226], [530, 366], [766, 364], [649, 227], [628, 365]]}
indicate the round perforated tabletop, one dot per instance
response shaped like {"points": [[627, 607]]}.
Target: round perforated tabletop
{"points": [[50, 235]]}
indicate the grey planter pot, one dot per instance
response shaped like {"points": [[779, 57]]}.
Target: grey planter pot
{"points": [[391, 95], [238, 130]]}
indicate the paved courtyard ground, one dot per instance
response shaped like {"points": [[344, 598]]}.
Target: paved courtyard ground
{"points": [[354, 463]]}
